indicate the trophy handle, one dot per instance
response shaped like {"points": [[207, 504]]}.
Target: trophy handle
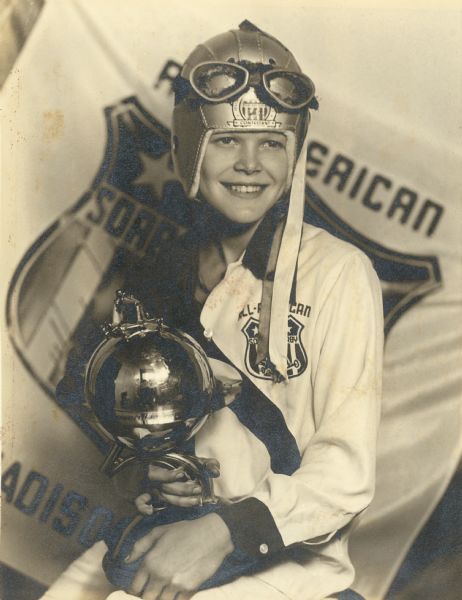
{"points": [[194, 468]]}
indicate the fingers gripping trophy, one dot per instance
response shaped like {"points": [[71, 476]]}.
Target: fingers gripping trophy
{"points": [[150, 387]]}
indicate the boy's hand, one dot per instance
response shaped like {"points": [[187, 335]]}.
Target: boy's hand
{"points": [[172, 487], [179, 557]]}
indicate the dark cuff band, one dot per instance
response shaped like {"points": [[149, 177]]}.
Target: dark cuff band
{"points": [[252, 527]]}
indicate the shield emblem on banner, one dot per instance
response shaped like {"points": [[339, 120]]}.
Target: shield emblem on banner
{"points": [[65, 284]]}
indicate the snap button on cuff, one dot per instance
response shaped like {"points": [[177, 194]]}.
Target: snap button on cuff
{"points": [[263, 548]]}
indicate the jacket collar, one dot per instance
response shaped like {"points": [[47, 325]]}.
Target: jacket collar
{"points": [[258, 250]]}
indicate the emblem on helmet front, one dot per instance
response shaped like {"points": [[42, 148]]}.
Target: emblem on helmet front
{"points": [[250, 111]]}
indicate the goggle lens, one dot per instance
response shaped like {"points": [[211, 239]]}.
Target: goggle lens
{"points": [[218, 81], [291, 90]]}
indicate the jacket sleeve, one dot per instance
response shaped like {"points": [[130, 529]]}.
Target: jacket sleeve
{"points": [[336, 477]]}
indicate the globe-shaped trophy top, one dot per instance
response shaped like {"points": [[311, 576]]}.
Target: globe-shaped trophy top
{"points": [[150, 388]]}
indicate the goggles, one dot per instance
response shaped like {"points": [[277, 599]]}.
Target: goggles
{"points": [[219, 81]]}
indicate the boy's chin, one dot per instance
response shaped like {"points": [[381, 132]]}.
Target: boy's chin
{"points": [[226, 224]]}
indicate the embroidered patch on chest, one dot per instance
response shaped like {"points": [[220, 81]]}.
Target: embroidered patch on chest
{"points": [[297, 360]]}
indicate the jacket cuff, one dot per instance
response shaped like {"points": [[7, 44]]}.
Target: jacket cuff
{"points": [[252, 527]]}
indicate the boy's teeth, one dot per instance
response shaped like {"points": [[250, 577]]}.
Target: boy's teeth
{"points": [[242, 189]]}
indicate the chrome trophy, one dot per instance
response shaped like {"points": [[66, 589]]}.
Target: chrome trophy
{"points": [[148, 389]]}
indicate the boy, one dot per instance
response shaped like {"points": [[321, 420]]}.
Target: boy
{"points": [[291, 320]]}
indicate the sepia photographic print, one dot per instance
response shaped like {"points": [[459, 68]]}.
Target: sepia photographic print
{"points": [[232, 300]]}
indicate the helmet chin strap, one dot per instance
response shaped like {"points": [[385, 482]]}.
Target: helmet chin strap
{"points": [[285, 269]]}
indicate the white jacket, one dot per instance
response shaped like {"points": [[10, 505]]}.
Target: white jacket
{"points": [[329, 407]]}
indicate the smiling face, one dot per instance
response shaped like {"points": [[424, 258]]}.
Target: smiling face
{"points": [[243, 174]]}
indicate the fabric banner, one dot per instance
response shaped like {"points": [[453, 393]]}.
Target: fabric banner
{"points": [[88, 191]]}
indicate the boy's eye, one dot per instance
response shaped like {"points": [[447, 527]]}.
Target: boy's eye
{"points": [[224, 141], [277, 144]]}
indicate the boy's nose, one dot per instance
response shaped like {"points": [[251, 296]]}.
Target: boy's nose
{"points": [[247, 159]]}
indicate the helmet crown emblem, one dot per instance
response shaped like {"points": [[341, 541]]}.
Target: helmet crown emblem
{"points": [[249, 111]]}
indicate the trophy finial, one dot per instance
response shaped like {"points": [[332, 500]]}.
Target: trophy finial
{"points": [[128, 315], [122, 304]]}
